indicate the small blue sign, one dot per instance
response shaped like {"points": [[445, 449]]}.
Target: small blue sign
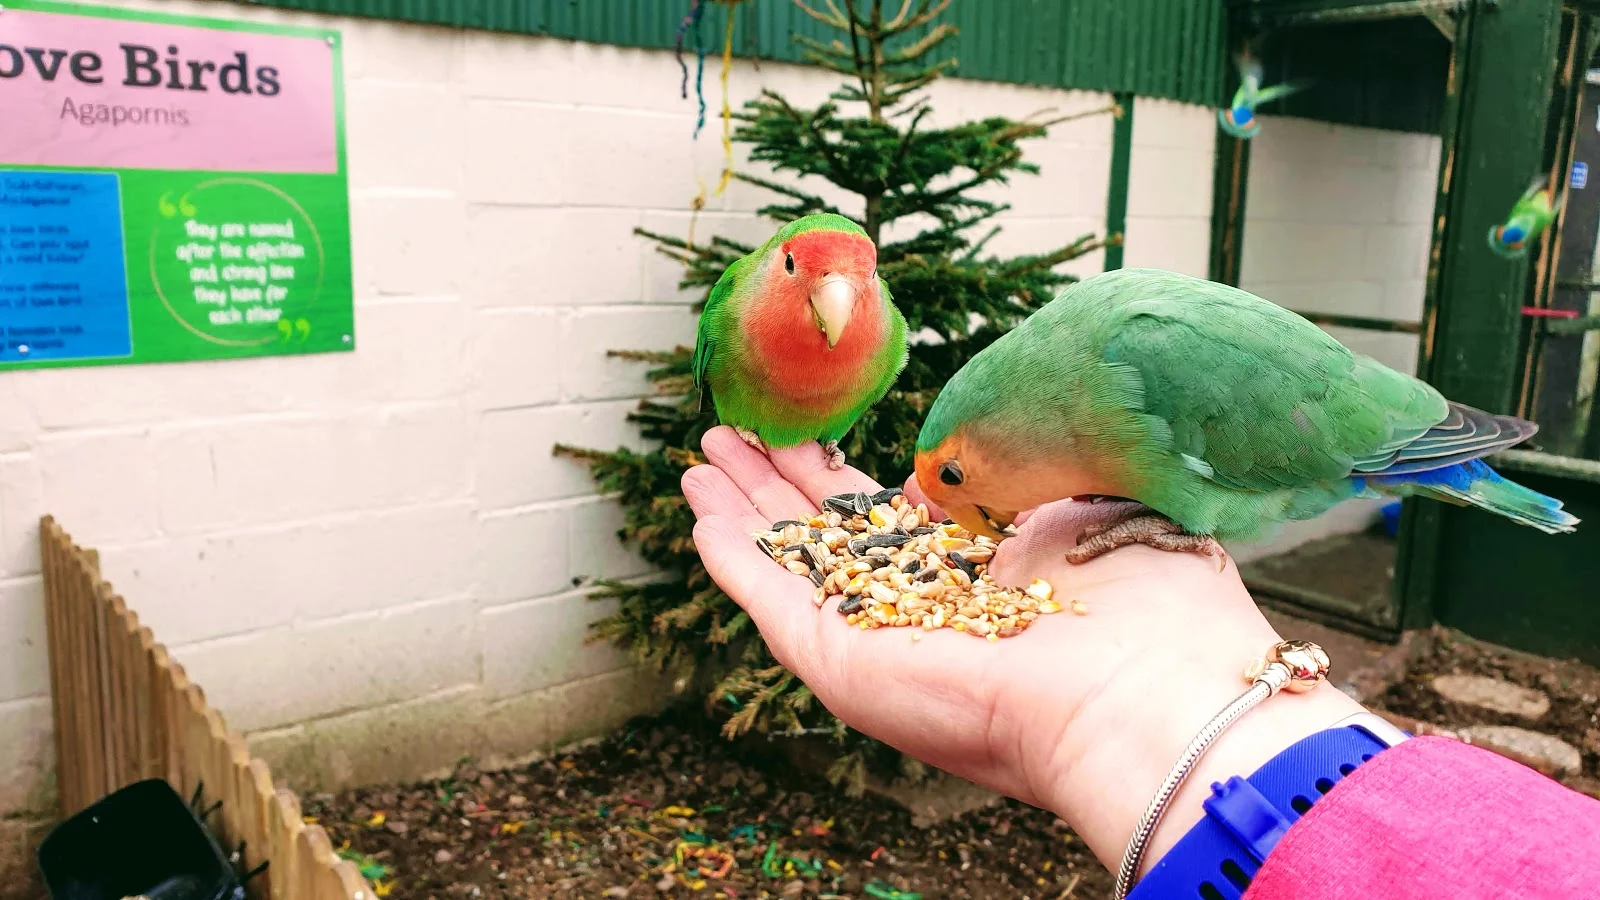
{"points": [[1580, 174], [63, 278]]}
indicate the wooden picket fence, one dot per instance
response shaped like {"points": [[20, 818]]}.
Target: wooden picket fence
{"points": [[125, 711]]}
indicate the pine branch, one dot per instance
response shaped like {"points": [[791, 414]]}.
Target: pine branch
{"points": [[977, 247], [920, 47], [840, 174], [648, 356], [1083, 246], [924, 16], [810, 200], [832, 56], [830, 21], [905, 7], [873, 105]]}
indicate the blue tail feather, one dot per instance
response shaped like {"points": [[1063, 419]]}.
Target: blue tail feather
{"points": [[1473, 483]]}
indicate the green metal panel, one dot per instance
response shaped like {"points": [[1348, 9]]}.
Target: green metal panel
{"points": [[1383, 74], [1117, 190], [1229, 178], [1154, 48]]}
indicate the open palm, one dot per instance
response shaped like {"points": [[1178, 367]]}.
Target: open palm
{"points": [[1043, 716]]}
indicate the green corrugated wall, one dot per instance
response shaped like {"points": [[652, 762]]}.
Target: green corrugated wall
{"points": [[1382, 74], [1174, 49]]}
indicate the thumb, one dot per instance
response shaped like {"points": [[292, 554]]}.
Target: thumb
{"points": [[778, 601], [915, 495]]}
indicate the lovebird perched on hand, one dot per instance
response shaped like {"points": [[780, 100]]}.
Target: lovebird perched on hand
{"points": [[1223, 413], [799, 338], [1532, 214], [1239, 119]]}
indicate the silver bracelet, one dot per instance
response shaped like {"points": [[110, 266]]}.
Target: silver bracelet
{"points": [[1294, 666]]}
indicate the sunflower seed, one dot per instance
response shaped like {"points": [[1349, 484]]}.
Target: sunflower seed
{"points": [[886, 495], [961, 563], [860, 546], [856, 504]]}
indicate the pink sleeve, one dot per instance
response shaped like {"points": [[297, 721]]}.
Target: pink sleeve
{"points": [[1436, 818]]}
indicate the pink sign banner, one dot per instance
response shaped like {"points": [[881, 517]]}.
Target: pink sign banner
{"points": [[90, 88]]}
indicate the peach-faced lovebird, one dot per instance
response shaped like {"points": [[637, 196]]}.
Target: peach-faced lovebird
{"points": [[1223, 413], [1532, 214], [1239, 119], [798, 338]]}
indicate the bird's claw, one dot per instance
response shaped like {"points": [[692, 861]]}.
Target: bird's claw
{"points": [[751, 438], [1150, 529], [834, 454]]}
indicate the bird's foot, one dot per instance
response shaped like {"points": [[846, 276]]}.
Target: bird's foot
{"points": [[751, 438], [1150, 529], [834, 454]]}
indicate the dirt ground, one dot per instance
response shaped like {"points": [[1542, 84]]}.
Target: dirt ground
{"points": [[1573, 689], [666, 808], [654, 810]]}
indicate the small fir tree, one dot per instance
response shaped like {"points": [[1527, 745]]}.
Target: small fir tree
{"points": [[912, 180]]}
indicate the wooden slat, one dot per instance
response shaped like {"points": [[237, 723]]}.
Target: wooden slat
{"points": [[286, 860], [149, 722], [259, 800], [60, 667], [126, 711], [112, 612]]}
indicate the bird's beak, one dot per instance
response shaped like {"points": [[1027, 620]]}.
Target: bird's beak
{"points": [[990, 523], [832, 301]]}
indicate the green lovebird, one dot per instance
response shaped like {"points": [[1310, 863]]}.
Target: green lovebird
{"points": [[1222, 413], [1240, 119], [799, 338], [1532, 214]]}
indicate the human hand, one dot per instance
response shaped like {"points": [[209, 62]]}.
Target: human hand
{"points": [[1082, 715]]}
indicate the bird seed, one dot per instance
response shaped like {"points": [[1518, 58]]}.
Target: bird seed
{"points": [[889, 566]]}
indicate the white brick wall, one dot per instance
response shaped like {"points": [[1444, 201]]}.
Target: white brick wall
{"points": [[361, 556], [1337, 220]]}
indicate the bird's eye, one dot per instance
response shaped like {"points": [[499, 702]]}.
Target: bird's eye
{"points": [[788, 263], [950, 472]]}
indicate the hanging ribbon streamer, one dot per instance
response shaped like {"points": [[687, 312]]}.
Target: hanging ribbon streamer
{"points": [[700, 66], [692, 20], [727, 109]]}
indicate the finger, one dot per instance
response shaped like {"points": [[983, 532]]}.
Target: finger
{"points": [[915, 495], [778, 602], [755, 476], [711, 492], [1052, 528], [806, 466]]}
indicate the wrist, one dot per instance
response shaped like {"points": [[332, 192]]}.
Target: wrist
{"points": [[1119, 748]]}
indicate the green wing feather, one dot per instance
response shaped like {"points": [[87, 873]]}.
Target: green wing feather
{"points": [[1256, 398], [714, 320], [1268, 94]]}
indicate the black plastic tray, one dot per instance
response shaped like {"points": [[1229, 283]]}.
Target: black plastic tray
{"points": [[142, 840]]}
